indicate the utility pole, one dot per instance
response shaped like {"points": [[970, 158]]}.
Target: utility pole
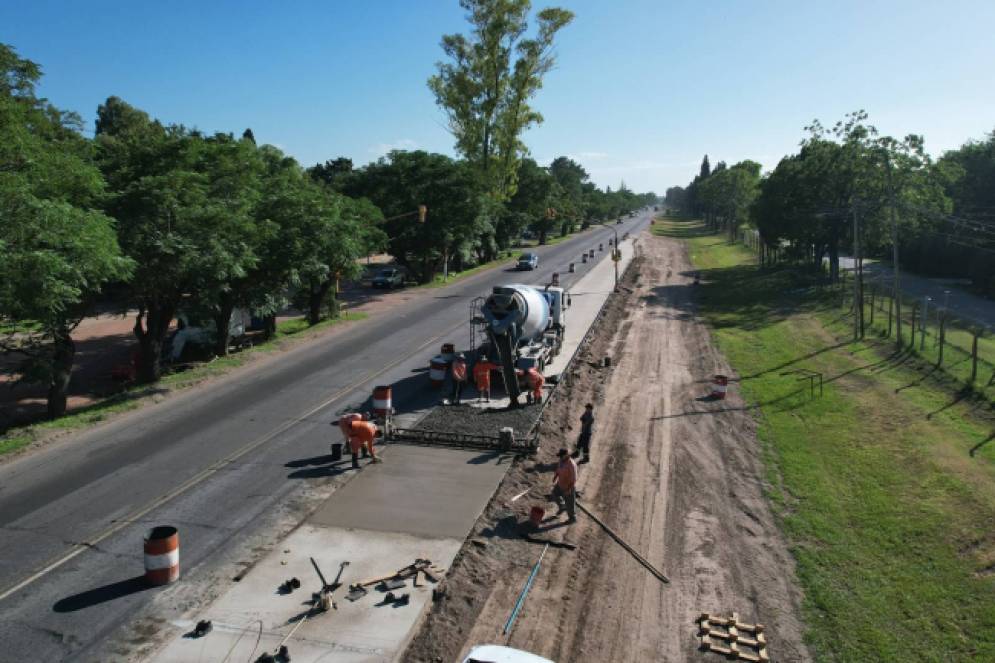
{"points": [[897, 295], [858, 290]]}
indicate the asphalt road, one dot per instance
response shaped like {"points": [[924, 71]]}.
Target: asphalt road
{"points": [[213, 461]]}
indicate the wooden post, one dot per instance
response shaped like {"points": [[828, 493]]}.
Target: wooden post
{"points": [[943, 326], [974, 355], [891, 302], [915, 316], [872, 304]]}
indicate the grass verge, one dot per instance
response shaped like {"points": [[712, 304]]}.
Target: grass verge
{"points": [[288, 332], [889, 516]]}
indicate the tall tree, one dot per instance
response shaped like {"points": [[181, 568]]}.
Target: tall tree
{"points": [[486, 86], [56, 250]]}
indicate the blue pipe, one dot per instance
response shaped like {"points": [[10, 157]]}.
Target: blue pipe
{"points": [[524, 592]]}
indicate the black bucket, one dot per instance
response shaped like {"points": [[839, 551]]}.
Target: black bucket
{"points": [[336, 451]]}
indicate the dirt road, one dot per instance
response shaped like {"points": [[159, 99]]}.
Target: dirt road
{"points": [[679, 478]]}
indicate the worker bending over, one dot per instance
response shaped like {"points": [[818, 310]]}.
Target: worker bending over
{"points": [[565, 484], [535, 382], [361, 439], [482, 376]]}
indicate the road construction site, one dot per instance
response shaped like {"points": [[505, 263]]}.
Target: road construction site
{"points": [[240, 467]]}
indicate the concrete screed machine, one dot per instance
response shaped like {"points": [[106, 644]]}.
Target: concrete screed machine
{"points": [[524, 327]]}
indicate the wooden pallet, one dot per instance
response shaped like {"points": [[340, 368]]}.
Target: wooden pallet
{"points": [[730, 637]]}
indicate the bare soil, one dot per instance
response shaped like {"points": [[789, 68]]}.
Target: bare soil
{"points": [[680, 478]]}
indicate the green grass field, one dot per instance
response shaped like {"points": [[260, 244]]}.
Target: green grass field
{"points": [[889, 516]]}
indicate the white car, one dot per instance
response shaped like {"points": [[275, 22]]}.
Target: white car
{"points": [[499, 654]]}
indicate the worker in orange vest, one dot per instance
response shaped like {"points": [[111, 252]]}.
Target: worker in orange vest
{"points": [[361, 438], [459, 378], [535, 380], [482, 376], [565, 484]]}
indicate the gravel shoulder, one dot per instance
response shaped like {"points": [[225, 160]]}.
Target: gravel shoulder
{"points": [[679, 478]]}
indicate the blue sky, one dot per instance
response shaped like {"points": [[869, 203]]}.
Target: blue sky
{"points": [[643, 88]]}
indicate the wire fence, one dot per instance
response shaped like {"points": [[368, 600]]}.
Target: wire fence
{"points": [[955, 344]]}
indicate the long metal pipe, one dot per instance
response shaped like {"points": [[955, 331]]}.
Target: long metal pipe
{"points": [[525, 590]]}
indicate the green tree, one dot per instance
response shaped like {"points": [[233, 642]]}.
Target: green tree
{"points": [[486, 86], [455, 223], [537, 198], [56, 250]]}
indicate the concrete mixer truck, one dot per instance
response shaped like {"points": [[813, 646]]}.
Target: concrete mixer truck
{"points": [[524, 327]]}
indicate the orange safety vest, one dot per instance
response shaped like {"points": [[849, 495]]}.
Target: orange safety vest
{"points": [[362, 432], [535, 380], [566, 475], [459, 370], [482, 374], [345, 422]]}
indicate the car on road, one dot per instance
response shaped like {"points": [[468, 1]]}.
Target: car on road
{"points": [[528, 261], [388, 277]]}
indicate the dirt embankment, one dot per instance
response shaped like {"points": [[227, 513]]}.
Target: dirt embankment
{"points": [[679, 478]]}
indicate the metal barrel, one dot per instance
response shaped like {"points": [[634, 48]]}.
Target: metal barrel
{"points": [[162, 555]]}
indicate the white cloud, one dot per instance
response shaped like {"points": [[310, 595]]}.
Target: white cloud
{"points": [[380, 149]]}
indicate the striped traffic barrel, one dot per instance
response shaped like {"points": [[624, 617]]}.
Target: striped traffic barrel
{"points": [[162, 555], [719, 385], [437, 371], [382, 401]]}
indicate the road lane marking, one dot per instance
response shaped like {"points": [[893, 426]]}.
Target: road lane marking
{"points": [[210, 471]]}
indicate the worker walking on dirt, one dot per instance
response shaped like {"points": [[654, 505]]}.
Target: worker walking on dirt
{"points": [[459, 378], [535, 380], [361, 439], [482, 376], [586, 429], [565, 483]]}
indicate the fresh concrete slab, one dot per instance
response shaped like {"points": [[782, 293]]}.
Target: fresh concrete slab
{"points": [[423, 491], [360, 631]]}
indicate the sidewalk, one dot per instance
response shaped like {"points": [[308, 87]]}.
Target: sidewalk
{"points": [[420, 503]]}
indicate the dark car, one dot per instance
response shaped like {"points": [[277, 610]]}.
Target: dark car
{"points": [[388, 277]]}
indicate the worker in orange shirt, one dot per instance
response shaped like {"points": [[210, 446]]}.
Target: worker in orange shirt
{"points": [[565, 484], [535, 381], [482, 376], [459, 378], [361, 438]]}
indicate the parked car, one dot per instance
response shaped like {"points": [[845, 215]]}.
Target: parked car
{"points": [[500, 654], [528, 261], [388, 277]]}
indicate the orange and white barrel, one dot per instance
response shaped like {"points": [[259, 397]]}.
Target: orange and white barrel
{"points": [[437, 371], [719, 386], [382, 401], [162, 555]]}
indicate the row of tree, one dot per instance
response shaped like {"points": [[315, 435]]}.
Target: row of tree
{"points": [[177, 219], [851, 190]]}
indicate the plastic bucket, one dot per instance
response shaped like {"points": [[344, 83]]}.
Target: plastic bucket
{"points": [[437, 371], [448, 351], [720, 385], [162, 555], [536, 514], [336, 451]]}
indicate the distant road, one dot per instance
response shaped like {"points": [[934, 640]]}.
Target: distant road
{"points": [[961, 303]]}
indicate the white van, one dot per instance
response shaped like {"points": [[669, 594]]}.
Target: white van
{"points": [[499, 654]]}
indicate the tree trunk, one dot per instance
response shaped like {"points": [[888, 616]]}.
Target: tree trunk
{"points": [[62, 367], [269, 326], [542, 237], [157, 317], [222, 322], [316, 296], [834, 260]]}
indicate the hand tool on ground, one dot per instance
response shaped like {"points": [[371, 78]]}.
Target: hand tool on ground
{"points": [[639, 558], [338, 577]]}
